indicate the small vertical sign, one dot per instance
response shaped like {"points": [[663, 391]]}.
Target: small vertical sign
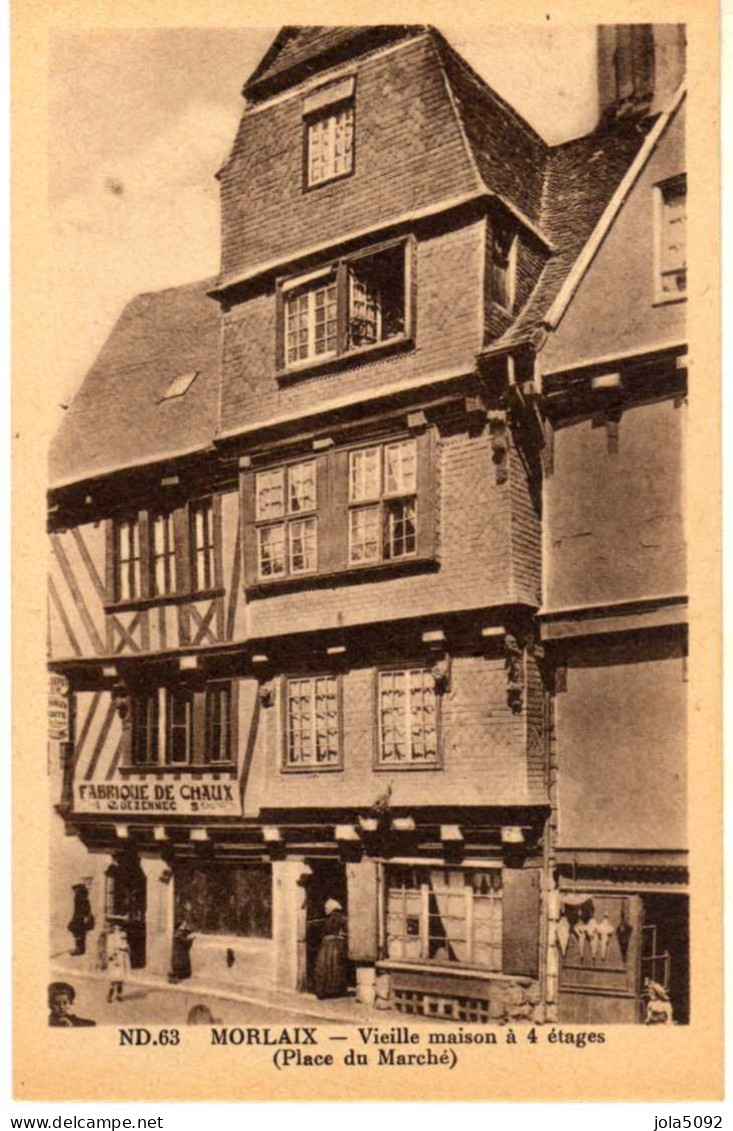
{"points": [[58, 708]]}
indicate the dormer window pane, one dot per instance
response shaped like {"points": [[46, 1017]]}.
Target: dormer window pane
{"points": [[331, 145], [673, 238]]}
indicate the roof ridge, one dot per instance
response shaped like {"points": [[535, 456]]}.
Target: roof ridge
{"points": [[484, 86]]}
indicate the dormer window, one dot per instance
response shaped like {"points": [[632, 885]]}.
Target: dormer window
{"points": [[503, 266], [329, 133], [362, 301], [671, 239]]}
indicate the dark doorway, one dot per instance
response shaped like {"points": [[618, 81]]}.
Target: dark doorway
{"points": [[328, 881], [665, 949], [127, 895]]}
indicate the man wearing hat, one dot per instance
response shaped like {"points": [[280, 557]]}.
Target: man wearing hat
{"points": [[82, 921], [60, 999]]}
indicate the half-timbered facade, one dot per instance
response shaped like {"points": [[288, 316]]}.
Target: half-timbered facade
{"points": [[297, 590]]}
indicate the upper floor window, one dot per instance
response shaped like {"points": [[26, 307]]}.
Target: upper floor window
{"points": [[164, 729], [330, 143], [358, 302], [202, 544], [407, 718], [163, 555], [145, 728], [218, 722], [127, 562], [503, 266], [310, 320], [287, 537], [312, 731], [671, 239], [179, 726], [383, 498]]}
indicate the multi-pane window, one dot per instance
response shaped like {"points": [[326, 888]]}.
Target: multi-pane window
{"points": [[384, 529], [407, 718], [672, 238], [310, 322], [330, 144], [503, 266], [163, 555], [356, 303], [218, 722], [127, 559], [179, 726], [449, 916], [202, 545], [312, 723], [288, 546], [145, 728]]}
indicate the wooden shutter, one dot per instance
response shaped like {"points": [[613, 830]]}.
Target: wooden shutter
{"points": [[216, 509], [336, 526], [427, 502], [342, 307], [109, 560], [182, 536], [199, 736], [323, 494], [247, 488], [411, 288], [279, 328], [361, 886], [521, 921], [146, 581]]}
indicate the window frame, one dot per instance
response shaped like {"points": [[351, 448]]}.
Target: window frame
{"points": [[409, 765], [340, 268], [511, 266], [469, 919], [172, 692], [381, 501], [218, 686], [312, 767], [662, 297], [287, 520], [169, 556], [145, 700], [310, 117], [133, 524]]}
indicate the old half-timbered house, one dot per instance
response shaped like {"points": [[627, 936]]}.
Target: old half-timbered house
{"points": [[296, 522]]}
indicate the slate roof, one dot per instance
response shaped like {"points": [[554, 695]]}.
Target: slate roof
{"points": [[297, 53], [119, 417], [580, 178]]}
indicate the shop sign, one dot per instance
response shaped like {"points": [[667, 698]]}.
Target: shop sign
{"points": [[58, 707], [159, 798]]}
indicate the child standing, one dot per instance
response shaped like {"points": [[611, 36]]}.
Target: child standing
{"points": [[118, 957]]}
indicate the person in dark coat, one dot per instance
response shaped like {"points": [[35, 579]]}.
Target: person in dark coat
{"points": [[60, 1000], [82, 921], [181, 955], [332, 972]]}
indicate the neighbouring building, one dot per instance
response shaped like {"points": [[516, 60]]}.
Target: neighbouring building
{"points": [[368, 558]]}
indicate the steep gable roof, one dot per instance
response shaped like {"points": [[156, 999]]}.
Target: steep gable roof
{"points": [[129, 410], [298, 53], [581, 177]]}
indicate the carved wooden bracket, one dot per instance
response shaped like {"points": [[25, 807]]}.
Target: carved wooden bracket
{"points": [[121, 699], [266, 692], [441, 671], [514, 672], [499, 439]]}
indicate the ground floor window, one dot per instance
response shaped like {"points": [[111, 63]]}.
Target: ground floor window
{"points": [[445, 915], [225, 899]]}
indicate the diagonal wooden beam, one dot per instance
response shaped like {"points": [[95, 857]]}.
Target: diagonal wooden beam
{"points": [[86, 557], [76, 594], [56, 600]]}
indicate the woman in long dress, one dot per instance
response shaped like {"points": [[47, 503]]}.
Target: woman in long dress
{"points": [[118, 959], [332, 972], [181, 952]]}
